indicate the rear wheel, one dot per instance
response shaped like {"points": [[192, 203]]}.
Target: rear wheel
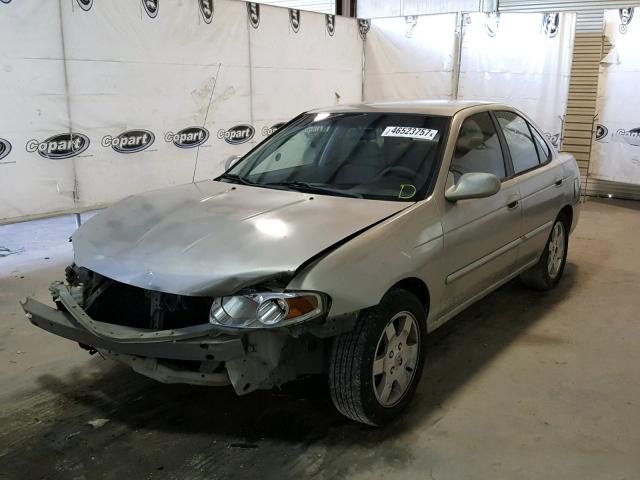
{"points": [[547, 272], [375, 368]]}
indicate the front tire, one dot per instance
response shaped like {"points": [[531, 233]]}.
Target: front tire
{"points": [[546, 274], [375, 368]]}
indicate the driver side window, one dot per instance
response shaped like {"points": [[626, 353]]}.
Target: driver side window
{"points": [[478, 148]]}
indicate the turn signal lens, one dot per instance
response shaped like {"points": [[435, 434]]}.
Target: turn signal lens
{"points": [[299, 306]]}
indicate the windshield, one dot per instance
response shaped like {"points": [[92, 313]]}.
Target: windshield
{"points": [[383, 156]]}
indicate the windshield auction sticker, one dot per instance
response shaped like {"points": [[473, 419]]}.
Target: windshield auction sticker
{"points": [[410, 132]]}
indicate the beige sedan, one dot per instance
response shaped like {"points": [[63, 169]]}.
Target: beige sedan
{"points": [[333, 247]]}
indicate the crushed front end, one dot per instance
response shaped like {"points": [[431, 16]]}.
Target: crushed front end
{"points": [[186, 339]]}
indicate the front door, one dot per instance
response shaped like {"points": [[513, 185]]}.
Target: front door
{"points": [[480, 235]]}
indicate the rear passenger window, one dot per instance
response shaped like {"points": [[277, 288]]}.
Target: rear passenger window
{"points": [[524, 154], [544, 152], [478, 148]]}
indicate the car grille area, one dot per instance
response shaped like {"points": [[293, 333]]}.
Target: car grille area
{"points": [[130, 306]]}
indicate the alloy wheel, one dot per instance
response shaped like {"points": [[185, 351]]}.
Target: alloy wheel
{"points": [[556, 250], [397, 355]]}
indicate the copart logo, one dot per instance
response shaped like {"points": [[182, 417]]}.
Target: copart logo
{"points": [[5, 148], [551, 24], [601, 132], [189, 137], [206, 9], [131, 141], [253, 10], [266, 131], [85, 4], [64, 145], [626, 15], [492, 23], [632, 136], [294, 19], [331, 24], [237, 135], [151, 7], [364, 25], [554, 139]]}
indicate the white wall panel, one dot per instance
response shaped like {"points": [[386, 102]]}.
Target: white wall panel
{"points": [[591, 46], [519, 59], [406, 61], [34, 107], [513, 60], [111, 68], [155, 74], [616, 151], [297, 71]]}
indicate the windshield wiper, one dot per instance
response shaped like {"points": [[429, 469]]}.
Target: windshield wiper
{"points": [[235, 178], [310, 187], [298, 186]]}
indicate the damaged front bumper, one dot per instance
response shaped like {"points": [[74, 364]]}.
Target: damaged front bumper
{"points": [[149, 352], [198, 354]]}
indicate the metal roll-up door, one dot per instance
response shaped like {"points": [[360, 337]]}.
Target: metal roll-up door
{"points": [[321, 6]]}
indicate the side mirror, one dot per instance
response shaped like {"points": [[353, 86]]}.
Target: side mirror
{"points": [[231, 161], [473, 185]]}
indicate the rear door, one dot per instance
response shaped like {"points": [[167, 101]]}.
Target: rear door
{"points": [[480, 235], [539, 180]]}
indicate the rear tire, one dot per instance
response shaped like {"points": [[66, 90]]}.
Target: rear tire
{"points": [[389, 338], [546, 274]]}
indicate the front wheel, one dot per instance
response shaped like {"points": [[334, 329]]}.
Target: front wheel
{"points": [[375, 368], [546, 274]]}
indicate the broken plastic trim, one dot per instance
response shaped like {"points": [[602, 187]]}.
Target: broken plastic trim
{"points": [[122, 334]]}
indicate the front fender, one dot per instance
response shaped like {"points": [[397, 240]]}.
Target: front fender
{"points": [[358, 273]]}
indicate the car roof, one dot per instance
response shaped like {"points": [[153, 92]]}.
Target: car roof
{"points": [[428, 107]]}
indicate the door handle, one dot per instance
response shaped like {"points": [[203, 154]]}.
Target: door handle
{"points": [[558, 182], [513, 204]]}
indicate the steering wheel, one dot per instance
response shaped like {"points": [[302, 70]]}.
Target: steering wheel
{"points": [[399, 168]]}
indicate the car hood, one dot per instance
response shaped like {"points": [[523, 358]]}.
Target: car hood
{"points": [[213, 238]]}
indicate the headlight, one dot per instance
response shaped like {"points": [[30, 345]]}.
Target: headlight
{"points": [[271, 309]]}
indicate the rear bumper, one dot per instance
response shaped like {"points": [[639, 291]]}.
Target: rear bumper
{"points": [[203, 348]]}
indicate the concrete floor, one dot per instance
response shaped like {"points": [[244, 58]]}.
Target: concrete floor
{"points": [[523, 385]]}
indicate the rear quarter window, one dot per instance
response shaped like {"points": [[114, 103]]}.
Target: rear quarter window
{"points": [[524, 153], [544, 152]]}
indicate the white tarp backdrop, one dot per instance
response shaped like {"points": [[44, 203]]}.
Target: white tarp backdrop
{"points": [[409, 58], [128, 72], [616, 151], [105, 99], [34, 105], [293, 71], [521, 59]]}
